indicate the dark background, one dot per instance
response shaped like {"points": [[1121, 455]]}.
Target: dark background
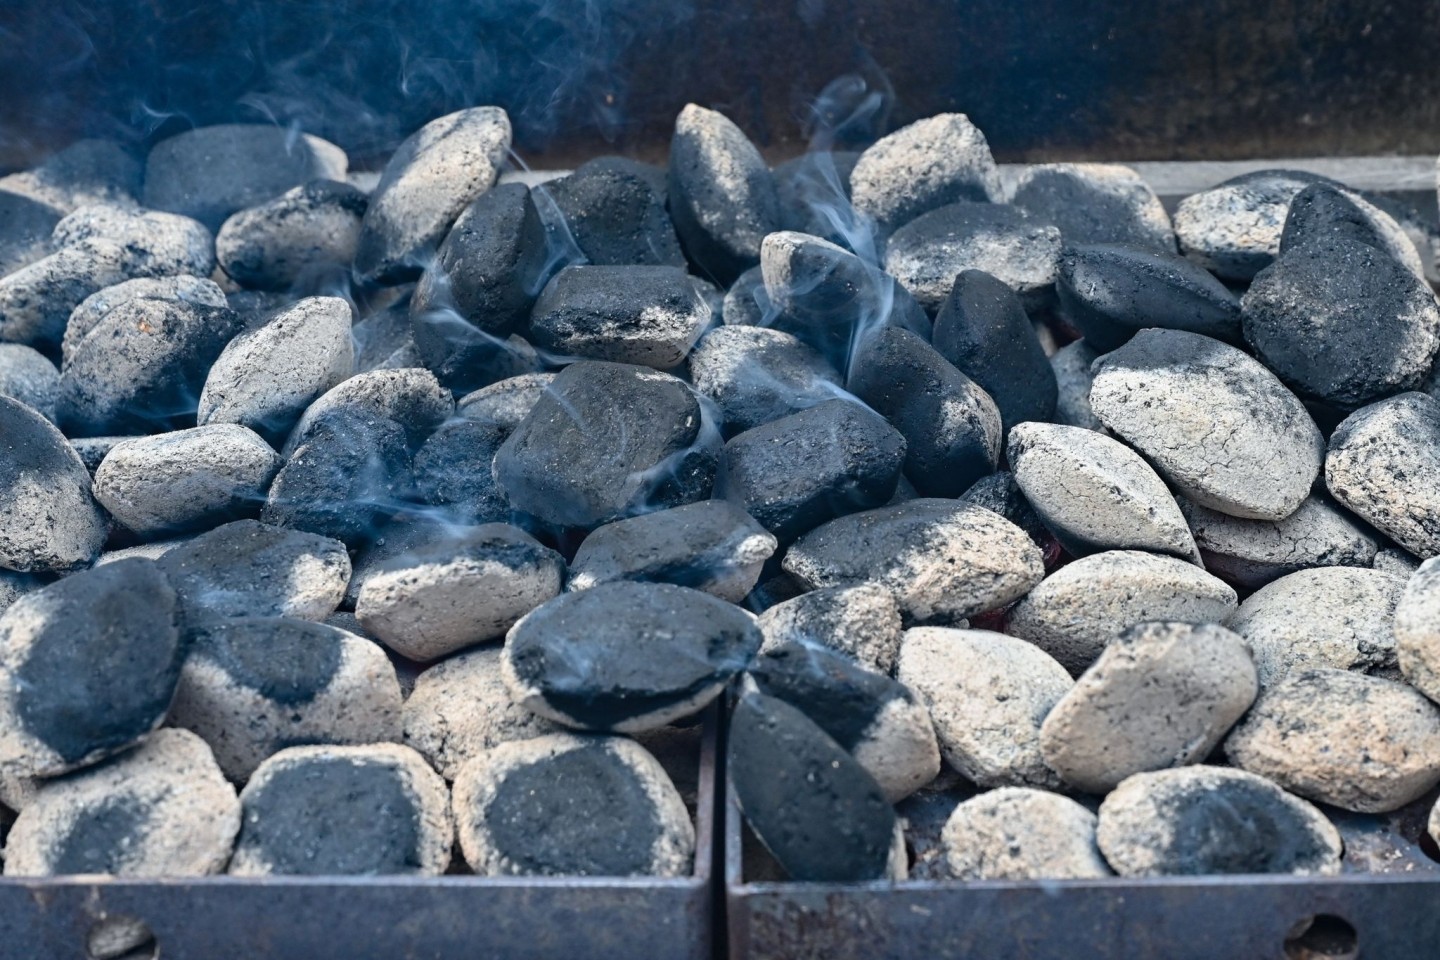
{"points": [[1168, 79]]}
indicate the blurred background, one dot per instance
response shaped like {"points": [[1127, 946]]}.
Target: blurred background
{"points": [[1052, 79]]}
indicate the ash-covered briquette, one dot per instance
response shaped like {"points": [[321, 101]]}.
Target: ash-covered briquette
{"points": [[570, 805], [1073, 378], [90, 311], [252, 686], [988, 695], [1018, 833], [930, 163], [713, 546], [1095, 493], [410, 397], [862, 622], [304, 236], [1252, 553], [627, 656], [1109, 292], [253, 569], [1383, 464], [1340, 616], [376, 810], [1073, 613], [877, 719], [1233, 229], [1159, 695], [811, 803], [1095, 203], [28, 376], [1417, 630], [456, 587], [49, 522], [506, 402], [614, 210], [161, 810], [757, 375], [88, 667], [1203, 820]]}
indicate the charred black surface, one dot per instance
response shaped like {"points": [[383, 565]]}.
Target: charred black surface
{"points": [[101, 836], [287, 661]]}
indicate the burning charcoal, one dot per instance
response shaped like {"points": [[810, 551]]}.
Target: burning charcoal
{"points": [[247, 568], [607, 440], [862, 622], [983, 330], [615, 212], [712, 546], [1073, 379], [460, 708], [483, 282], [1220, 427], [1417, 630], [1394, 561], [950, 425], [186, 480], [87, 667], [1160, 695], [1094, 493], [627, 656], [14, 585], [507, 402], [1251, 553], [1000, 494], [1355, 742], [142, 368], [341, 480], [1076, 610], [375, 810], [756, 375], [381, 334], [1339, 617], [454, 471], [93, 450], [721, 195], [811, 188], [294, 239], [1384, 464], [879, 721], [211, 172], [814, 806], [1015, 833], [27, 376], [987, 695], [84, 173], [830, 298], [928, 253], [452, 592], [48, 519], [566, 805], [156, 244], [1322, 213], [650, 316], [438, 171], [92, 309], [746, 303], [1233, 229], [941, 559], [163, 810], [25, 229], [410, 397], [36, 300], [266, 377], [1202, 820], [254, 685], [929, 164], [1095, 203], [1343, 323], [800, 471], [1109, 293]]}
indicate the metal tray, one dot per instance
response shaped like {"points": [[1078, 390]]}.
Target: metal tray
{"points": [[212, 918], [1385, 906]]}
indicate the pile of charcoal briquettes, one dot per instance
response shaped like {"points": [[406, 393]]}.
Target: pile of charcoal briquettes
{"points": [[358, 527]]}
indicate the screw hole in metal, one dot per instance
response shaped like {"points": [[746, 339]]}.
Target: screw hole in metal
{"points": [[118, 937], [1322, 937]]}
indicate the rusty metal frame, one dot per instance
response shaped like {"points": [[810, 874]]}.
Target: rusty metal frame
{"points": [[296, 918]]}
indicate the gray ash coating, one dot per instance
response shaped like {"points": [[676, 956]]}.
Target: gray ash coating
{"points": [[1109, 292], [48, 518], [333, 816], [1075, 198], [581, 812], [99, 839], [624, 650], [286, 661], [101, 668], [842, 698], [812, 804]]}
